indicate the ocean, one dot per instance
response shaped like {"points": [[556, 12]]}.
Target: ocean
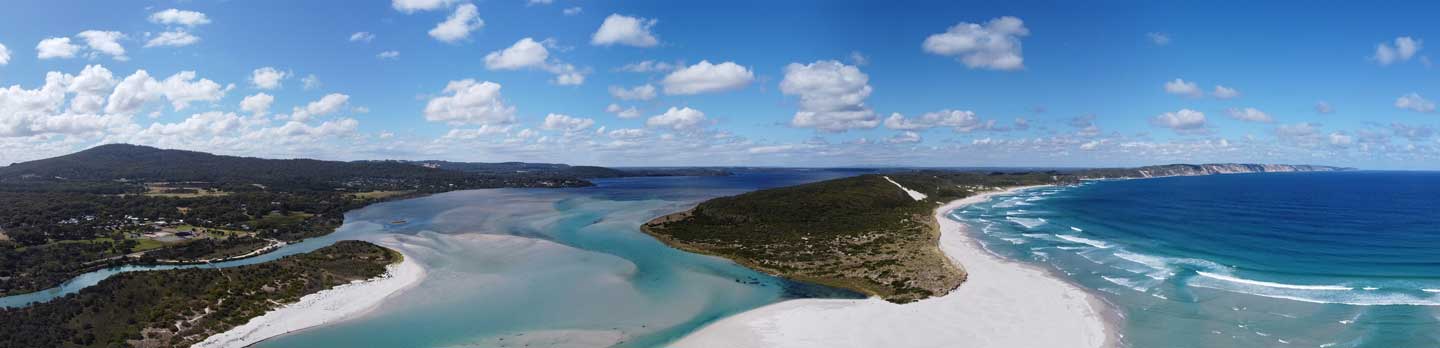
{"points": [[1329, 259]]}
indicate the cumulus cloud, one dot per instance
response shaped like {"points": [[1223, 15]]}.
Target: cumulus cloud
{"points": [[56, 47], [1414, 102], [1183, 121], [1249, 115], [627, 133], [326, 105], [561, 122], [388, 55], [310, 82], [625, 30], [1159, 39], [179, 17], [412, 6], [470, 102], [1223, 92], [106, 42], [1404, 49], [959, 120], [680, 119], [530, 54], [29, 112], [267, 77], [832, 96], [526, 53], [648, 66], [571, 11], [257, 104], [362, 36], [641, 92], [906, 137], [177, 38], [1184, 88], [994, 45], [622, 112], [4, 54], [705, 77], [458, 26], [1324, 107]]}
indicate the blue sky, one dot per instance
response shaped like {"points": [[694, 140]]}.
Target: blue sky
{"points": [[805, 83]]}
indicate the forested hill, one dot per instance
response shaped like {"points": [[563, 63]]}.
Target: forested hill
{"points": [[134, 163]]}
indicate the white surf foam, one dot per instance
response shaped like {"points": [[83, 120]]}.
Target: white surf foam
{"points": [[1273, 284], [1083, 240]]}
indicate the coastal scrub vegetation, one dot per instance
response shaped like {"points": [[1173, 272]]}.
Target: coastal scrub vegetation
{"points": [[177, 308], [861, 233]]}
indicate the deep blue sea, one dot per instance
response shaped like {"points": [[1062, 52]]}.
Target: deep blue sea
{"points": [[1342, 259]]}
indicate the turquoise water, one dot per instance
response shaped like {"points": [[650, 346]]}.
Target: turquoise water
{"points": [[1347, 259], [541, 267]]}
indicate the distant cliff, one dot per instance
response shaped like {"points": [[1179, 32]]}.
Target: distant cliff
{"points": [[1200, 169]]}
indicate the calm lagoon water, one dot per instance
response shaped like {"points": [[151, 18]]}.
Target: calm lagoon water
{"points": [[1345, 259], [539, 267]]}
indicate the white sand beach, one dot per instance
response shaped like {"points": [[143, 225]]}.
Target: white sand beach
{"points": [[332, 305], [1002, 304]]}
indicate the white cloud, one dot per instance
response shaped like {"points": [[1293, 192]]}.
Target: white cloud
{"points": [[648, 66], [906, 137], [182, 89], [526, 53], [539, 2], [391, 55], [627, 133], [177, 38], [859, 59], [678, 119], [310, 82], [1404, 49], [326, 105], [832, 96], [995, 45], [268, 77], [470, 102], [476, 133], [960, 120], [258, 104], [1324, 107], [1158, 38], [530, 54], [1414, 102], [179, 17], [362, 36], [572, 11], [4, 55], [1249, 115], [641, 92], [561, 122], [625, 30], [1182, 87], [1341, 139], [1183, 121], [622, 112], [458, 26], [706, 78], [56, 47], [411, 6], [1223, 92], [107, 42], [566, 74]]}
